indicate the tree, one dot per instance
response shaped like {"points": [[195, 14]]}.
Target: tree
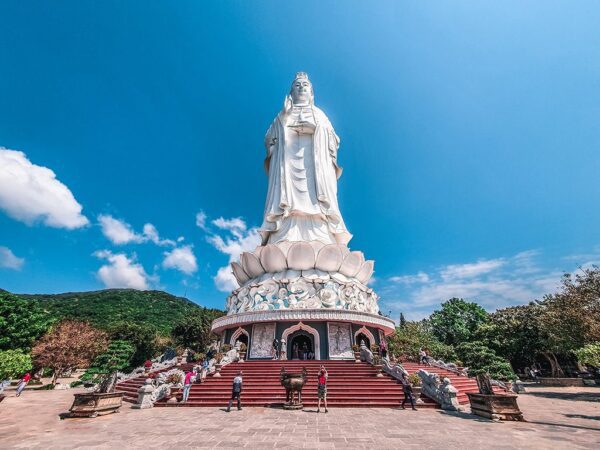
{"points": [[589, 355], [457, 321], [514, 333], [21, 322], [142, 336], [482, 360], [402, 321], [409, 339], [68, 345], [570, 318], [193, 332], [14, 363], [117, 357]]}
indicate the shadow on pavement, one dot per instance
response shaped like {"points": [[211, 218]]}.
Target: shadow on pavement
{"points": [[582, 416], [574, 396]]}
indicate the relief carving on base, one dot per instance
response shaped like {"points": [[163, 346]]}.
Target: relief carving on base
{"points": [[340, 340]]}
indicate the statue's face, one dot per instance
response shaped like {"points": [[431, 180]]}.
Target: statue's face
{"points": [[301, 91]]}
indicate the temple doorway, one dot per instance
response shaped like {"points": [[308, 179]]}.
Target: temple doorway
{"points": [[301, 346], [243, 338], [362, 337]]}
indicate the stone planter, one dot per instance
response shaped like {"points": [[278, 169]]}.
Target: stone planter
{"points": [[417, 390], [242, 356], [357, 357], [94, 404], [217, 370], [379, 368], [495, 407], [571, 382]]}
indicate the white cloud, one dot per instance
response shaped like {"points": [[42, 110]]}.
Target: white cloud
{"points": [[201, 220], [8, 260], [420, 277], [151, 234], [493, 283], [460, 271], [120, 232], [31, 193], [233, 238], [235, 225], [182, 259], [122, 271], [224, 280]]}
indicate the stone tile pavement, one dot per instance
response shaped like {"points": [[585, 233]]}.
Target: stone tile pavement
{"points": [[557, 418]]}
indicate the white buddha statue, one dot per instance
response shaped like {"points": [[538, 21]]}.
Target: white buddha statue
{"points": [[302, 167]]}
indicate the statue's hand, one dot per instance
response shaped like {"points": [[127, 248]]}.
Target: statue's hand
{"points": [[287, 105]]}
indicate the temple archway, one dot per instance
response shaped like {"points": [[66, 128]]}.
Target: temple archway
{"points": [[239, 335], [363, 333], [289, 333]]}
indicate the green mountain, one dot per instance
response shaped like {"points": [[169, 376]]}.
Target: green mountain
{"points": [[110, 306]]}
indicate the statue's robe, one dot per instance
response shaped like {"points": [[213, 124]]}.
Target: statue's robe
{"points": [[303, 172]]}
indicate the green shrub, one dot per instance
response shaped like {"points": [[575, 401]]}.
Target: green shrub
{"points": [[14, 363], [589, 355], [483, 360]]}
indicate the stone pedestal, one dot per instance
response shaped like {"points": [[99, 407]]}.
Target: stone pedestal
{"points": [[144, 399], [495, 407]]}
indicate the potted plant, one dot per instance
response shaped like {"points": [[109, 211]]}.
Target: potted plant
{"points": [[242, 352], [103, 371], [377, 364], [375, 349], [356, 349], [416, 383]]}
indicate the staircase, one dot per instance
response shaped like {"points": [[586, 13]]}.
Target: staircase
{"points": [[350, 384]]}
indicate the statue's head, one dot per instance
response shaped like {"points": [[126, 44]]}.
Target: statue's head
{"points": [[302, 90]]}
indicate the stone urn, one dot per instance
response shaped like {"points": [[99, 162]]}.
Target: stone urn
{"points": [[417, 390], [293, 383]]}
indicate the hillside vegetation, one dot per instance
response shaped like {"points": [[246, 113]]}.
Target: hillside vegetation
{"points": [[109, 307]]}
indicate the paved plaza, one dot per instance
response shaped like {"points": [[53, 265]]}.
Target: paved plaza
{"points": [[556, 418]]}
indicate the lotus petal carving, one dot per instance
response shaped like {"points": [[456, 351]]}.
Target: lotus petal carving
{"points": [[273, 259], [301, 256], [352, 264], [239, 273], [251, 265]]}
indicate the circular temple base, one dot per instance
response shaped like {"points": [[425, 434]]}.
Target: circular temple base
{"points": [[292, 406]]}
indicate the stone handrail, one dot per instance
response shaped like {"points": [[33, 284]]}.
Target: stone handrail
{"points": [[395, 370], [463, 372], [442, 393], [365, 353], [157, 364]]}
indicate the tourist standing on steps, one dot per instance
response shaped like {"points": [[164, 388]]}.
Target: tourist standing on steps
{"points": [[383, 348], [408, 393], [187, 385], [304, 351], [322, 387], [23, 383], [236, 392], [423, 356], [275, 348]]}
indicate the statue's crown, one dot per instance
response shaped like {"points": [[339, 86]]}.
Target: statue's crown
{"points": [[301, 75]]}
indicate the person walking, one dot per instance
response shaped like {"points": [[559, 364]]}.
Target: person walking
{"points": [[322, 388], [23, 383], [187, 385], [408, 393], [236, 391]]}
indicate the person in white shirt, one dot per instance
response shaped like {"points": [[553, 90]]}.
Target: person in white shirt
{"points": [[236, 392]]}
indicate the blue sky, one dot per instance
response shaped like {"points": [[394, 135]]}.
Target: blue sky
{"points": [[469, 134]]}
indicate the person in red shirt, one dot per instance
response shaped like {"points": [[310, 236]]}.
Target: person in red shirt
{"points": [[322, 387], [23, 383], [187, 385]]}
